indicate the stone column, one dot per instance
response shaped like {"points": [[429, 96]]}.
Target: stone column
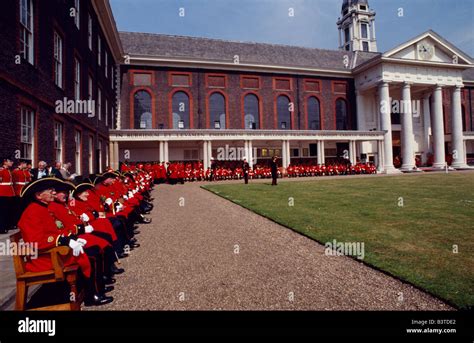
{"points": [[209, 152], [162, 152], [246, 150], [386, 125], [408, 155], [457, 140], [283, 154], [288, 154], [380, 157], [438, 129], [166, 152], [205, 159], [323, 156], [426, 127], [250, 160]]}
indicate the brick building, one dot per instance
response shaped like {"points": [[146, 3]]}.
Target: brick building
{"points": [[54, 56], [187, 98]]}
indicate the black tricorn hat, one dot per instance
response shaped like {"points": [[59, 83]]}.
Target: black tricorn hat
{"points": [[65, 186], [104, 176], [81, 188], [28, 192]]}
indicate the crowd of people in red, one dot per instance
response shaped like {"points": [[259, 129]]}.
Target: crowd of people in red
{"points": [[180, 172]]}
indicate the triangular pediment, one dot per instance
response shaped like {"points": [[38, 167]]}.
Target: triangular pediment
{"points": [[430, 47]]}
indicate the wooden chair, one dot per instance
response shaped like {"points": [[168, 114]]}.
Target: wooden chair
{"points": [[58, 273]]}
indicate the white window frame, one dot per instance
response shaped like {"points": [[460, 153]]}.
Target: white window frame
{"points": [[27, 138], [89, 31], [77, 17], [100, 145], [58, 60], [368, 30], [106, 63], [27, 30], [90, 88], [99, 50], [99, 103], [91, 154], [78, 151], [77, 79], [58, 141], [106, 112]]}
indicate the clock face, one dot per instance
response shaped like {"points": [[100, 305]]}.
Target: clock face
{"points": [[425, 51]]}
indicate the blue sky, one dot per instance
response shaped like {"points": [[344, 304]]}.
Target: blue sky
{"points": [[313, 24]]}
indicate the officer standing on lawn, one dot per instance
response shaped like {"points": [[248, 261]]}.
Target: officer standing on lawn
{"points": [[274, 169], [246, 168]]}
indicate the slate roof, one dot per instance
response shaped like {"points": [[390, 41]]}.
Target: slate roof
{"points": [[216, 50], [468, 75]]}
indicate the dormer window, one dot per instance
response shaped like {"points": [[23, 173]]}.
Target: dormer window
{"points": [[363, 7], [347, 35]]}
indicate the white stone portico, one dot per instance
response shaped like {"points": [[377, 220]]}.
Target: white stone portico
{"points": [[407, 78], [157, 144]]}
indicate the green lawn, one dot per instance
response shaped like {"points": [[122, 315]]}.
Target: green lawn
{"points": [[414, 241]]}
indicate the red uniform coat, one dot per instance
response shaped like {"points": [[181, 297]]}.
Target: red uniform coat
{"points": [[99, 224], [21, 177], [37, 225], [6, 183]]}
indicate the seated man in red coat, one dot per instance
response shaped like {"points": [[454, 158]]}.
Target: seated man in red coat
{"points": [[38, 226]]}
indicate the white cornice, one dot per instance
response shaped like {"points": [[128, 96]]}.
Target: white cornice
{"points": [[193, 63], [109, 27]]}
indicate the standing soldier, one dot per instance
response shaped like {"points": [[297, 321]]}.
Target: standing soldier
{"points": [[274, 169], [21, 177], [246, 168], [7, 196]]}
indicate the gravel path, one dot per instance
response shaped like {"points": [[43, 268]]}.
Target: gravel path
{"points": [[204, 253]]}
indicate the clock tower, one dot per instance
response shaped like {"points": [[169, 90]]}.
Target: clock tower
{"points": [[357, 26]]}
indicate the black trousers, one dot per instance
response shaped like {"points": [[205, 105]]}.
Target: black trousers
{"points": [[274, 181], [246, 178], [7, 213]]}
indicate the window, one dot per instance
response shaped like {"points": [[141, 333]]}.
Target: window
{"points": [[99, 103], [106, 63], [99, 50], [312, 86], [314, 117], [251, 112], [363, 8], [99, 148], [364, 31], [347, 35], [365, 46], [58, 60], [78, 154], [216, 81], [27, 134], [180, 104], [250, 82], [283, 112], [141, 79], [89, 31], [77, 79], [90, 89], [341, 115], [26, 30], [91, 155], [217, 111], [112, 76], [142, 110], [77, 17], [282, 84], [58, 142], [106, 112], [112, 119], [180, 80]]}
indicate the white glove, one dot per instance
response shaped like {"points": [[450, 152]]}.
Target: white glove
{"points": [[125, 197], [88, 229], [119, 207], [109, 201], [84, 217], [76, 247], [130, 194]]}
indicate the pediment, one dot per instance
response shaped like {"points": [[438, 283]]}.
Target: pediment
{"points": [[430, 47]]}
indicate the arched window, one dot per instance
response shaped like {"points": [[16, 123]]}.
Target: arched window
{"points": [[181, 111], [142, 110], [314, 114], [217, 111], [284, 114], [252, 112], [341, 115]]}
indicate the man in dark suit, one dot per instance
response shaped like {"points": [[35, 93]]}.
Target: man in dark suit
{"points": [[246, 168], [40, 172], [274, 169]]}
